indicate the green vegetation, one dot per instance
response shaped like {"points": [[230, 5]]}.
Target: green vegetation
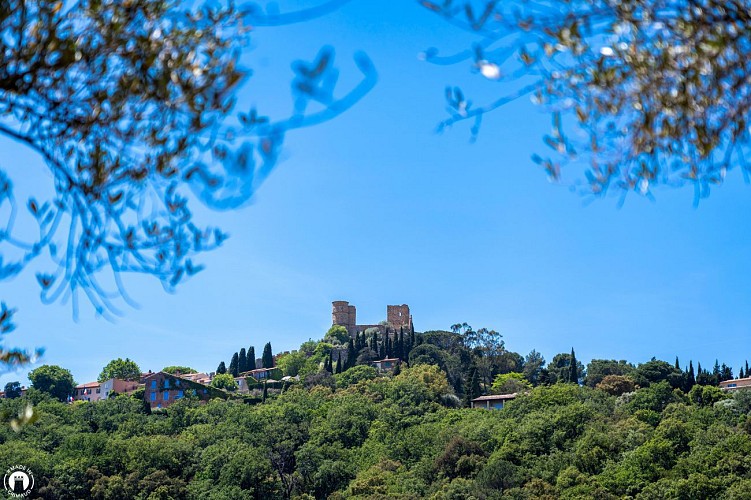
{"points": [[182, 369], [124, 369], [644, 431], [224, 381], [53, 380]]}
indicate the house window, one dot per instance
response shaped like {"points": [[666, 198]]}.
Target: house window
{"points": [[98, 390], [732, 385], [153, 384], [166, 382], [153, 396], [177, 382], [179, 394], [165, 395]]}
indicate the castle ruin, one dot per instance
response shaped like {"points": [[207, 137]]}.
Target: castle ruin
{"points": [[344, 314]]}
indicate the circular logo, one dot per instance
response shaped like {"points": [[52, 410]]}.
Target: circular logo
{"points": [[18, 481]]}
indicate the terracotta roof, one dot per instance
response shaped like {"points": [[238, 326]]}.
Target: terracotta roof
{"points": [[87, 385], [495, 397]]}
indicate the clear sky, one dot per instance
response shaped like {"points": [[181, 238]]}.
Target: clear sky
{"points": [[375, 208]]}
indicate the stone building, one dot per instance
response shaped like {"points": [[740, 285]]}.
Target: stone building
{"points": [[345, 314]]}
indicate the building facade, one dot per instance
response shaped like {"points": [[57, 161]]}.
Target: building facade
{"points": [[492, 402], [737, 383], [164, 389]]}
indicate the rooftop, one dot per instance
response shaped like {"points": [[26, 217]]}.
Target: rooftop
{"points": [[496, 397]]}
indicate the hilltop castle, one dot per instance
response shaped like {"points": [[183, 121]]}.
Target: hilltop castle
{"points": [[344, 314]]}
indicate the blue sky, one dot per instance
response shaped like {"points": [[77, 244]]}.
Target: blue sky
{"points": [[375, 208]]}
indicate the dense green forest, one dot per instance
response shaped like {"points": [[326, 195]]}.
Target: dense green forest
{"points": [[617, 431]]}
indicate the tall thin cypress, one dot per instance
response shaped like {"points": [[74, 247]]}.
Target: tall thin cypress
{"points": [[267, 358], [677, 364], [573, 375], [234, 368], [351, 354], [251, 358], [338, 364], [242, 361]]}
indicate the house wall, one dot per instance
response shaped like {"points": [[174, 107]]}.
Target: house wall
{"points": [[162, 390]]}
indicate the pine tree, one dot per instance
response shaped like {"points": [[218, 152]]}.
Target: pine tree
{"points": [[234, 365], [573, 375], [338, 364], [242, 361], [351, 355], [267, 359], [251, 358], [222, 368]]}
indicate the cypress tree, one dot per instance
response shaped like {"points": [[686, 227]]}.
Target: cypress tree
{"points": [[382, 351], [747, 368], [328, 365], [400, 345], [234, 365], [691, 375], [388, 349], [677, 365], [242, 361], [251, 358], [338, 364], [474, 385], [267, 359], [222, 368], [265, 392], [397, 369], [351, 355], [573, 374], [740, 373]]}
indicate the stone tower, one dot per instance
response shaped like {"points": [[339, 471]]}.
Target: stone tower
{"points": [[344, 314], [398, 316]]}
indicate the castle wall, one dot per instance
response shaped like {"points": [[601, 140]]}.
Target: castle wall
{"points": [[345, 314]]}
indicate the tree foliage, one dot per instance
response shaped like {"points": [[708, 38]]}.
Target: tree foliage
{"points": [[123, 369], [130, 105], [181, 369], [642, 93], [53, 380], [224, 381]]}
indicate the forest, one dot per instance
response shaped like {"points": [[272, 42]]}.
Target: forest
{"points": [[617, 431]]}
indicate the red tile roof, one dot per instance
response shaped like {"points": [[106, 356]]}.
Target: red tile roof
{"points": [[88, 385]]}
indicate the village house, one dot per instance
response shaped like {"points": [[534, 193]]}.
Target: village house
{"points": [[163, 389], [736, 383], [261, 374], [492, 402], [386, 364], [117, 386], [90, 391]]}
